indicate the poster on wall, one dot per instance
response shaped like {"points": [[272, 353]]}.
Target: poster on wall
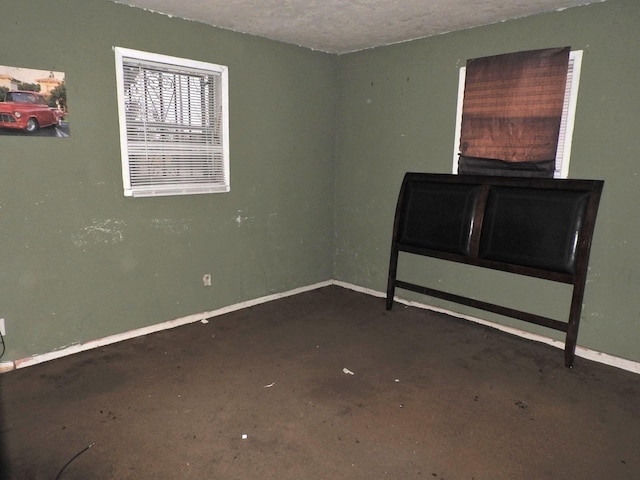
{"points": [[33, 102]]}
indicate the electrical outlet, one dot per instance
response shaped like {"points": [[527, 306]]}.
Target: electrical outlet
{"points": [[2, 329], [206, 279]]}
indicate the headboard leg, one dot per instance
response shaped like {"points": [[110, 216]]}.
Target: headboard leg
{"points": [[393, 269], [569, 355]]}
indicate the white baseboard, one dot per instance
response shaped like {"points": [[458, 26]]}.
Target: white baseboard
{"points": [[7, 366], [198, 317], [583, 352]]}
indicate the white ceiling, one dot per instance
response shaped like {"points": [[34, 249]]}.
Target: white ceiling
{"points": [[340, 26]]}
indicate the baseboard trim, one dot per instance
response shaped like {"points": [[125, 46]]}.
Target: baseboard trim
{"points": [[198, 317], [582, 352]]}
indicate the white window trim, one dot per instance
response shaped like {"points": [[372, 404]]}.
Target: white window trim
{"points": [[563, 154], [175, 188]]}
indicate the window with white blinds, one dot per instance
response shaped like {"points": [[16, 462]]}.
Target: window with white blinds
{"points": [[563, 152], [174, 124]]}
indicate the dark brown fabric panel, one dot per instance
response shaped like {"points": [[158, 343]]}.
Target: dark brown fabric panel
{"points": [[513, 105], [485, 166]]}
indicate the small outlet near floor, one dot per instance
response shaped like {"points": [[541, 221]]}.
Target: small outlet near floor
{"points": [[206, 279], [2, 329]]}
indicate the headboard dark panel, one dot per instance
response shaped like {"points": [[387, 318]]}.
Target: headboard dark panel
{"points": [[528, 226], [439, 216], [534, 227]]}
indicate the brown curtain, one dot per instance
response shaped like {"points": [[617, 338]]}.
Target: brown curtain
{"points": [[513, 105]]}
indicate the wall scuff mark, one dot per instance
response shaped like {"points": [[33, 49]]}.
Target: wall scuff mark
{"points": [[170, 225], [108, 232]]}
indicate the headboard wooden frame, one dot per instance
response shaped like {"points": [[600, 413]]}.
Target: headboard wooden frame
{"points": [[536, 227]]}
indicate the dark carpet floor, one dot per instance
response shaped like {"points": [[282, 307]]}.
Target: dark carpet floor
{"points": [[430, 397]]}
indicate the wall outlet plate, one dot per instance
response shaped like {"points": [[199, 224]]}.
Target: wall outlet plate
{"points": [[2, 329]]}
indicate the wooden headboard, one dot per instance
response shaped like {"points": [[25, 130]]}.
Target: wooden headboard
{"points": [[528, 226]]}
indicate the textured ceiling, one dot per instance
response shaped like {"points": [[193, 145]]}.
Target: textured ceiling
{"points": [[340, 26]]}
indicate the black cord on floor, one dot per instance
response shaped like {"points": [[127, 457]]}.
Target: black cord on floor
{"points": [[73, 458]]}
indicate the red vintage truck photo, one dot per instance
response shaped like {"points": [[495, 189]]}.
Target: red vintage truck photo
{"points": [[27, 111]]}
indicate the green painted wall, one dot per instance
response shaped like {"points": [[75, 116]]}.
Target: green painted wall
{"points": [[319, 145], [79, 261], [397, 109]]}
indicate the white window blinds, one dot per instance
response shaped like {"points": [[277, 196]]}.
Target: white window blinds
{"points": [[563, 154], [173, 124]]}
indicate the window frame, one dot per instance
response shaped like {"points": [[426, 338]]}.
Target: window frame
{"points": [[186, 181], [563, 152]]}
